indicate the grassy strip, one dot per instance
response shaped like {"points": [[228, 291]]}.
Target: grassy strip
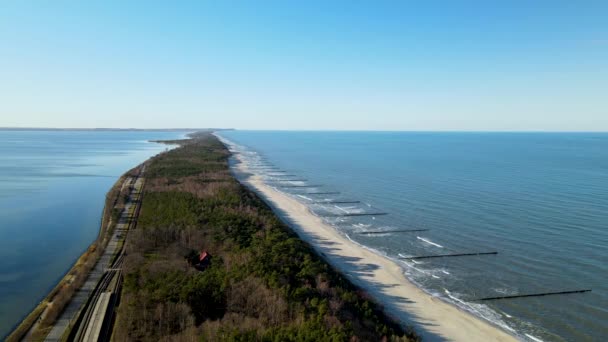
{"points": [[57, 299], [25, 325]]}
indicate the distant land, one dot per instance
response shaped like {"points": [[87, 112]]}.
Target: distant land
{"points": [[113, 129]]}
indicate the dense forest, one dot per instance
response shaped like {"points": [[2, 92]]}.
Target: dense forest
{"points": [[262, 282]]}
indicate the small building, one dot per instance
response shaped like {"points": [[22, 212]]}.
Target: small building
{"points": [[204, 258]]}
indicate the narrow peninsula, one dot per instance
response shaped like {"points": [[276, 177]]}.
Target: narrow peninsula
{"points": [[188, 253], [210, 260]]}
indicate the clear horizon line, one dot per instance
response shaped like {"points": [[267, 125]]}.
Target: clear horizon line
{"points": [[26, 128]]}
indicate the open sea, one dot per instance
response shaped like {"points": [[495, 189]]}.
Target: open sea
{"points": [[52, 191], [538, 199]]}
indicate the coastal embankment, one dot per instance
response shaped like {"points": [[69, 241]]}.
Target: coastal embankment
{"points": [[432, 318], [52, 199], [56, 313]]}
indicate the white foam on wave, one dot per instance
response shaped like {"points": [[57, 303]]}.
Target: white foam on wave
{"points": [[504, 291], [340, 208], [304, 197], [534, 338], [410, 264], [479, 310], [418, 269], [373, 250], [378, 235], [429, 242], [294, 182]]}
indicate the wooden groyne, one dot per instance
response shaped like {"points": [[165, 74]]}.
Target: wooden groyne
{"points": [[284, 176], [534, 295], [370, 232], [447, 255]]}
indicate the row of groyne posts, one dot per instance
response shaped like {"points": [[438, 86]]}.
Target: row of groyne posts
{"points": [[283, 177]]}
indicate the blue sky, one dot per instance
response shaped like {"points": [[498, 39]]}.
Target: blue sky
{"points": [[360, 65]]}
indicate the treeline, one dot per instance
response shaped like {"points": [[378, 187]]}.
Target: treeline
{"points": [[263, 282]]}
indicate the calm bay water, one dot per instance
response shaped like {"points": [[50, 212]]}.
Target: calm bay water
{"points": [[52, 191], [539, 199]]}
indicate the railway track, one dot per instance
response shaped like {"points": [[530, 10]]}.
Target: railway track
{"points": [[95, 321]]}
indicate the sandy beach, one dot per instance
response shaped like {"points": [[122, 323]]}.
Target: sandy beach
{"points": [[432, 318]]}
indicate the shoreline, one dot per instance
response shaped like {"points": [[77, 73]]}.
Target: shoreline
{"points": [[285, 289], [431, 317], [30, 321]]}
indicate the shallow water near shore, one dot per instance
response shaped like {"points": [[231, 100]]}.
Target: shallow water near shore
{"points": [[538, 199], [52, 191]]}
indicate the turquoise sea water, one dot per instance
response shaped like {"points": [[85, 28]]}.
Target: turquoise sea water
{"points": [[539, 199], [52, 191]]}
